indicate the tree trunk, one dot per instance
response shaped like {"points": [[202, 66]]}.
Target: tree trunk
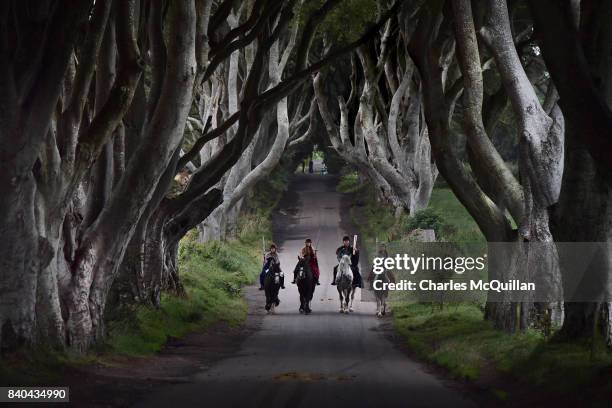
{"points": [[540, 154]]}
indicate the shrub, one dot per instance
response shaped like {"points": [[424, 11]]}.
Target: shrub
{"points": [[425, 219], [349, 183]]}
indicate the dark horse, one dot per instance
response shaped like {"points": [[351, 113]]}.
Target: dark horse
{"points": [[305, 284], [272, 285]]}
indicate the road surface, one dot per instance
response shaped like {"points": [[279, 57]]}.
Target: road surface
{"points": [[326, 359]]}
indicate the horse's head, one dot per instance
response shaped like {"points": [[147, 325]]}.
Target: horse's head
{"points": [[345, 265], [381, 276], [300, 268], [345, 259]]}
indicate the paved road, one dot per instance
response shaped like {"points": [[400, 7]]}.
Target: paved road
{"points": [[322, 360]]}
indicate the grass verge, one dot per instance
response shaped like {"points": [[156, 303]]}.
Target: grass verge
{"points": [[460, 340]]}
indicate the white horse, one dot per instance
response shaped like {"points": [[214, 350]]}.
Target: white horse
{"points": [[344, 283]]}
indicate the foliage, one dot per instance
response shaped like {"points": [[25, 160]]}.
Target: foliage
{"points": [[346, 22], [425, 219], [349, 183]]}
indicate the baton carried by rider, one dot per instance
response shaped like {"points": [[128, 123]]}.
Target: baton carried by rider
{"points": [[263, 248]]}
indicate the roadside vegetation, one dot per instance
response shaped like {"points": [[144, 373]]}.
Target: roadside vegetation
{"points": [[456, 336]]}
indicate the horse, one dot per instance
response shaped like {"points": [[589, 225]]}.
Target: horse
{"points": [[381, 294], [344, 280], [305, 284], [272, 285]]}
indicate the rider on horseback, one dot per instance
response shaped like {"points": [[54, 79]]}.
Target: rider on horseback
{"points": [[347, 249], [270, 259], [310, 256]]}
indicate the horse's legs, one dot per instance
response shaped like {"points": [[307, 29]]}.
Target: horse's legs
{"points": [[384, 305], [352, 297], [341, 301]]}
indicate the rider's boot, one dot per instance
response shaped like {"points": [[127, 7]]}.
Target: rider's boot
{"points": [[334, 280], [317, 281], [294, 278], [282, 282]]}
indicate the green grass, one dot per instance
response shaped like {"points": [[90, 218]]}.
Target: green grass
{"points": [[460, 340], [212, 274], [458, 224]]}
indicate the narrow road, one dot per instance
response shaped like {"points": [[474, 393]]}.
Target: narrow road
{"points": [[325, 359]]}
